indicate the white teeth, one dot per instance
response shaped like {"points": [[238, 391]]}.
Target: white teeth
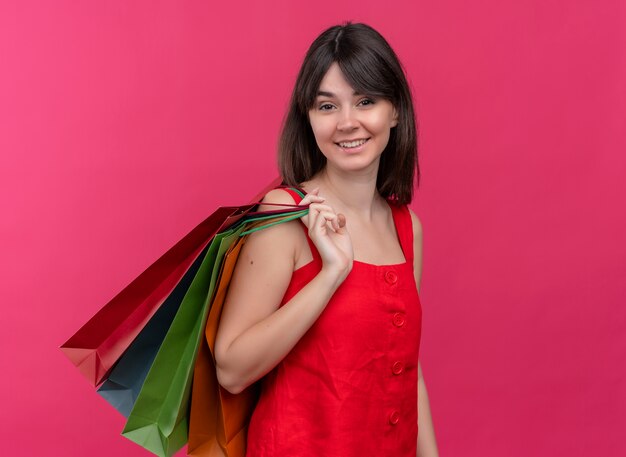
{"points": [[352, 144]]}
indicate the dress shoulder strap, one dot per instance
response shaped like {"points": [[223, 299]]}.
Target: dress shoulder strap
{"points": [[404, 227], [297, 198]]}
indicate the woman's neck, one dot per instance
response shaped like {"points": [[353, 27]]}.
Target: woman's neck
{"points": [[351, 194]]}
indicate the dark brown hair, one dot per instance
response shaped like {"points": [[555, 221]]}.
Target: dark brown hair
{"points": [[371, 67]]}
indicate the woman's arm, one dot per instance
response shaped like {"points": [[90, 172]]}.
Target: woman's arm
{"points": [[255, 334], [426, 441]]}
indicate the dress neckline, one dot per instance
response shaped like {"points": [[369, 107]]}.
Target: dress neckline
{"points": [[395, 212]]}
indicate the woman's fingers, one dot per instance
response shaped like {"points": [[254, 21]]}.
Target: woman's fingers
{"points": [[325, 219], [312, 197], [320, 207], [316, 218], [316, 208]]}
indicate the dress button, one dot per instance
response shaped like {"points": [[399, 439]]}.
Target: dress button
{"points": [[397, 368], [394, 418], [398, 319], [391, 277]]}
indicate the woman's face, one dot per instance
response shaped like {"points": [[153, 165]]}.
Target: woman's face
{"points": [[351, 130]]}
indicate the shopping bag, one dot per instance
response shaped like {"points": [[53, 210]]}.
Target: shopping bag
{"points": [[125, 380], [158, 420], [180, 284], [121, 387], [99, 344]]}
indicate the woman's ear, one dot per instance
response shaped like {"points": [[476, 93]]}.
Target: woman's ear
{"points": [[394, 118]]}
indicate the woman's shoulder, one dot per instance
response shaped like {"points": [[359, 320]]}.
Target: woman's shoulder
{"points": [[278, 244], [287, 231], [276, 196]]}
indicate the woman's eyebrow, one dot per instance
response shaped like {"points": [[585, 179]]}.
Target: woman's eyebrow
{"points": [[323, 93]]}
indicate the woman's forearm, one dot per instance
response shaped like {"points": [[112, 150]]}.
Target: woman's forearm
{"points": [[261, 347]]}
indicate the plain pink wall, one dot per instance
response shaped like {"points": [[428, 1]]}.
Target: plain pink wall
{"points": [[123, 124]]}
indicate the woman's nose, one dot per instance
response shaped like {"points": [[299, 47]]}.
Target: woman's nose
{"points": [[347, 120]]}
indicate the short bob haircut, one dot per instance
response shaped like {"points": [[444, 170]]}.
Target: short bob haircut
{"points": [[372, 68]]}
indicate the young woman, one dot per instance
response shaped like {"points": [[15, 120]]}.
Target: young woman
{"points": [[326, 310]]}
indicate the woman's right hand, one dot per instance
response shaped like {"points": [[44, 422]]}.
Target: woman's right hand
{"points": [[328, 231]]}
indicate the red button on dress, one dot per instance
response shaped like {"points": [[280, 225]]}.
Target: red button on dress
{"points": [[332, 395], [398, 319], [391, 277], [397, 368]]}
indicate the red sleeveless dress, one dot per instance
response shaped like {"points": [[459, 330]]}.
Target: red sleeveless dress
{"points": [[349, 386]]}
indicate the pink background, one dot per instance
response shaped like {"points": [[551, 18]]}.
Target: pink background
{"points": [[123, 124]]}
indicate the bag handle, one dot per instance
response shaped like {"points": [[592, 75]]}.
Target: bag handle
{"points": [[275, 217]]}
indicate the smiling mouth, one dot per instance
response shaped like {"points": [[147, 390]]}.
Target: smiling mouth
{"points": [[352, 144]]}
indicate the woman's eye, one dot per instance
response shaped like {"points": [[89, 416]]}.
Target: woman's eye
{"points": [[325, 107], [366, 101]]}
